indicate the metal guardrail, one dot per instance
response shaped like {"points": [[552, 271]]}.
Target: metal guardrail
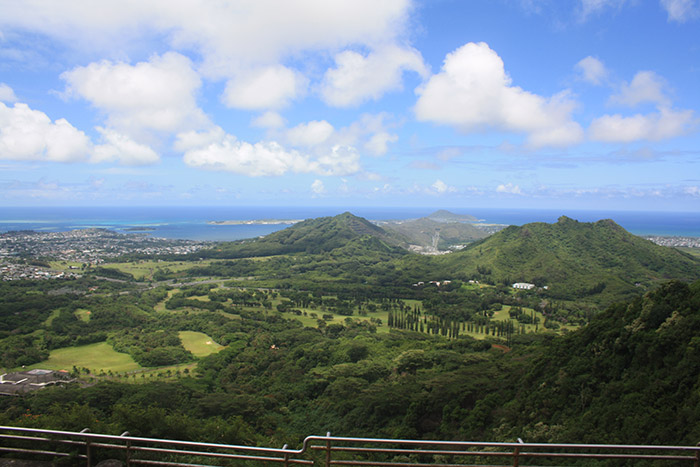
{"points": [[85, 448]]}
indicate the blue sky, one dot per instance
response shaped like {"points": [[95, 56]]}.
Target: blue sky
{"points": [[581, 104]]}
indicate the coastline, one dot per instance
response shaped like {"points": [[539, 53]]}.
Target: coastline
{"points": [[257, 222]]}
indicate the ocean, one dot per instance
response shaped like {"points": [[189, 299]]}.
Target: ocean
{"points": [[192, 222]]}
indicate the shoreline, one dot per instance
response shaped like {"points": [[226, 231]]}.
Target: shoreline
{"points": [[256, 222]]}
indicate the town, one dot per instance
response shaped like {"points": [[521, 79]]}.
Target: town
{"points": [[24, 254]]}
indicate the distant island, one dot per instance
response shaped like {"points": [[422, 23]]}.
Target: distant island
{"points": [[256, 222]]}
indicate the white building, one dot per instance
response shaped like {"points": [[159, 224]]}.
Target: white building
{"points": [[523, 286]]}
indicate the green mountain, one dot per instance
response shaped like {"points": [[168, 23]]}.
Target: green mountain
{"points": [[438, 231], [574, 259], [313, 236]]}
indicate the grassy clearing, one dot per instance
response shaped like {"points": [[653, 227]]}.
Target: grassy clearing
{"points": [[199, 343], [160, 306], [145, 269], [96, 357], [82, 314], [54, 315], [691, 251]]}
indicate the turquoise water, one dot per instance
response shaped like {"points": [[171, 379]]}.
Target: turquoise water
{"points": [[191, 222]]}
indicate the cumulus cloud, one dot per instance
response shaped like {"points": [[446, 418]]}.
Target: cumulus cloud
{"points": [[441, 187], [226, 34], [122, 149], [7, 94], [378, 144], [681, 10], [473, 93], [310, 134], [357, 78], [269, 119], [217, 150], [664, 124], [646, 86], [318, 187], [509, 188], [592, 70], [272, 87], [27, 134], [159, 94]]}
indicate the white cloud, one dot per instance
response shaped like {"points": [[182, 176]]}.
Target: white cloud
{"points": [[156, 95], [592, 70], [441, 187], [27, 134], [269, 119], [509, 188], [692, 191], [681, 10], [646, 86], [318, 188], [310, 134], [587, 7], [357, 78], [271, 87], [664, 124], [216, 150], [7, 94], [119, 147], [378, 144], [226, 34], [340, 160], [473, 92]]}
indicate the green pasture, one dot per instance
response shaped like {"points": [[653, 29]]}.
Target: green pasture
{"points": [[96, 357], [691, 251], [145, 269], [199, 343], [54, 315], [160, 306], [82, 314]]}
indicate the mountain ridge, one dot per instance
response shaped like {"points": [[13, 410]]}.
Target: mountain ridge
{"points": [[574, 258]]}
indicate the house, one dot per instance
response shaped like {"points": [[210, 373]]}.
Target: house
{"points": [[523, 286]]}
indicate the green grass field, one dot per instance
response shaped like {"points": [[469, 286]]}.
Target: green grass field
{"points": [[96, 357], [83, 314], [54, 315], [145, 269], [199, 343]]}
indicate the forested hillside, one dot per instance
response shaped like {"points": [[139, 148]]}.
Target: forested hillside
{"points": [[312, 236], [600, 262]]}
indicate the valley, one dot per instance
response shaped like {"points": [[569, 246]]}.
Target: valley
{"points": [[333, 325]]}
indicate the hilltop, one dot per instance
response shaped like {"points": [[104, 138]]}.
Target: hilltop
{"points": [[313, 236], [574, 259]]}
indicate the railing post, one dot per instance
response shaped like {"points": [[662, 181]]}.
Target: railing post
{"points": [[328, 450], [286, 456], [88, 449], [128, 449], [697, 457], [516, 454]]}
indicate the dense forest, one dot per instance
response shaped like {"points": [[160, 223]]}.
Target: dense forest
{"points": [[630, 376]]}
